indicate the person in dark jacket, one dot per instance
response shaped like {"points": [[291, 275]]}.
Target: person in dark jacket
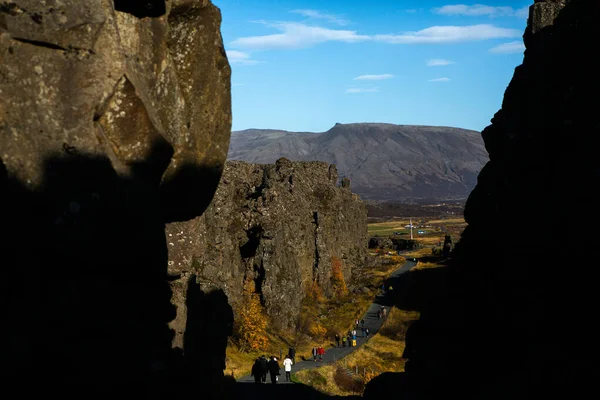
{"points": [[264, 368], [292, 354], [257, 371], [274, 369]]}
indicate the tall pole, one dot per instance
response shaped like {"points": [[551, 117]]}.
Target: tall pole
{"points": [[411, 236]]}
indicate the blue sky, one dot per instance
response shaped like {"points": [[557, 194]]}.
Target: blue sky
{"points": [[305, 65]]}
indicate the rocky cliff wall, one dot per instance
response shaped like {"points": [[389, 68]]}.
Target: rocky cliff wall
{"points": [[277, 224], [517, 317], [115, 119]]}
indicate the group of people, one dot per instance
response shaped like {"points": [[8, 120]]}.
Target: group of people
{"points": [[262, 366], [318, 352], [350, 337]]}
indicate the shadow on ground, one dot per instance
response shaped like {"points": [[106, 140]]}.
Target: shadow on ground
{"points": [[267, 391]]}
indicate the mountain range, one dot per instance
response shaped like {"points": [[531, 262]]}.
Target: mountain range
{"points": [[385, 162]]}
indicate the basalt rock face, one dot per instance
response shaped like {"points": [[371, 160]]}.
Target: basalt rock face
{"points": [[279, 225], [517, 318], [114, 121]]}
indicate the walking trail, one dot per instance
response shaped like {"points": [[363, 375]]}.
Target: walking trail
{"points": [[334, 354]]}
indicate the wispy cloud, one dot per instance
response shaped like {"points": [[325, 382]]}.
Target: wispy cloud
{"points": [[295, 36], [522, 12], [479, 10], [239, 57], [362, 90], [509, 48], [319, 15], [450, 34], [411, 10], [373, 77], [439, 80], [438, 62]]}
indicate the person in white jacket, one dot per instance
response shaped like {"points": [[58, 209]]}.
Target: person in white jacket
{"points": [[287, 366]]}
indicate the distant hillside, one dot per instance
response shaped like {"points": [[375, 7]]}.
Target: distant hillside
{"points": [[383, 161]]}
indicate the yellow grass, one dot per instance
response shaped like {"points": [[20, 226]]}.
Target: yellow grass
{"points": [[424, 252], [382, 353], [447, 221], [426, 265]]}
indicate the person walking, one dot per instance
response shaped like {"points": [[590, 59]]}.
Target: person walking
{"points": [[320, 351], [362, 322], [349, 337], [264, 368], [366, 332], [337, 340], [257, 371], [287, 367], [274, 369], [344, 341], [314, 354]]}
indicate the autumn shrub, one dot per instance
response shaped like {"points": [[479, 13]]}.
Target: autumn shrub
{"points": [[337, 278], [314, 292], [317, 330], [251, 324]]}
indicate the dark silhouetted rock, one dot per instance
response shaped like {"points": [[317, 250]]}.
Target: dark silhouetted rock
{"points": [[113, 122], [518, 317]]}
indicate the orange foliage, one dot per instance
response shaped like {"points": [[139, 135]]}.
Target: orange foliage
{"points": [[337, 278], [314, 292], [317, 330], [252, 324]]}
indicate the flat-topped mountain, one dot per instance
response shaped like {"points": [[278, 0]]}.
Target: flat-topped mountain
{"points": [[382, 161]]}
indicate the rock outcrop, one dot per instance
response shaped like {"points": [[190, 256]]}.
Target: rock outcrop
{"points": [[518, 317], [277, 224], [114, 120]]}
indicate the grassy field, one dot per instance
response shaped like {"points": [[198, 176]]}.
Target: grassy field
{"points": [[435, 230]]}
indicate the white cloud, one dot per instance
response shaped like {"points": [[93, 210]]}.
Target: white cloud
{"points": [[439, 80], [411, 10], [480, 10], [438, 62], [319, 15], [239, 57], [476, 10], [373, 77], [361, 90], [297, 36], [508, 48], [450, 34], [522, 12]]}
